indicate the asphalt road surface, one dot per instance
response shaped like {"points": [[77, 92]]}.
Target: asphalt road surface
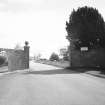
{"points": [[48, 85]]}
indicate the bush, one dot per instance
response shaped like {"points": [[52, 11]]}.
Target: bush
{"points": [[2, 60], [54, 57]]}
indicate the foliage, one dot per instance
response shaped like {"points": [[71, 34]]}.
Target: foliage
{"points": [[54, 57], [87, 27], [18, 47], [2, 60]]}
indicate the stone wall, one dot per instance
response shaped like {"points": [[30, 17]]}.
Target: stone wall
{"points": [[18, 59], [90, 58]]}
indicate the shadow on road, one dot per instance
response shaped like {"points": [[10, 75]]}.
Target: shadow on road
{"points": [[90, 71], [94, 71], [52, 72]]}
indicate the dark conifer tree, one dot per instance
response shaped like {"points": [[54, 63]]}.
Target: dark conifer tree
{"points": [[87, 26]]}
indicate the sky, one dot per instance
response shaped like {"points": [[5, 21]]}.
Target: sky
{"points": [[41, 22]]}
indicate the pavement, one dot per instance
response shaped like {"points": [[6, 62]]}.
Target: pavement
{"points": [[96, 73], [48, 85], [3, 69]]}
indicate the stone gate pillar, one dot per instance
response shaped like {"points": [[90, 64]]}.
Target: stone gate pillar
{"points": [[71, 47], [26, 55]]}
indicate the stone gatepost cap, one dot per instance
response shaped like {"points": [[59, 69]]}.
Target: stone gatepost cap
{"points": [[26, 43]]}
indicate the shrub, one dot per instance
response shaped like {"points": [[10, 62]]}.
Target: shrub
{"points": [[54, 57], [2, 60]]}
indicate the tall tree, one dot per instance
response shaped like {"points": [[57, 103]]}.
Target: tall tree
{"points": [[87, 27], [54, 56]]}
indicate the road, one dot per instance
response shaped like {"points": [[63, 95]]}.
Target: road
{"points": [[48, 85]]}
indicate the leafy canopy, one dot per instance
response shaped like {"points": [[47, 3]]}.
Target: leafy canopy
{"points": [[87, 27], [54, 57]]}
